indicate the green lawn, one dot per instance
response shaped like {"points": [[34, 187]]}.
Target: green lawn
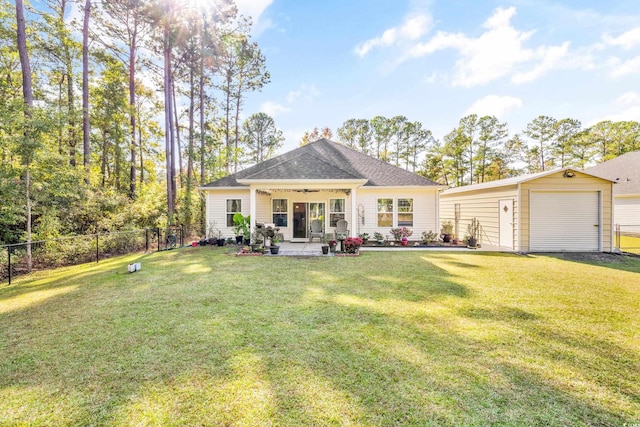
{"points": [[200, 337], [630, 244]]}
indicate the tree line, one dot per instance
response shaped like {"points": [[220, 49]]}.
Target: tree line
{"points": [[481, 148], [110, 118]]}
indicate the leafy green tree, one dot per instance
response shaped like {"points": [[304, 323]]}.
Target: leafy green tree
{"points": [[542, 131], [261, 137], [565, 135]]}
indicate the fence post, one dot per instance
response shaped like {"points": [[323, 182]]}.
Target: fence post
{"points": [[146, 240], [9, 257], [97, 249]]}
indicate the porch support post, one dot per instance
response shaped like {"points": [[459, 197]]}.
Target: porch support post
{"points": [[252, 208], [354, 213]]}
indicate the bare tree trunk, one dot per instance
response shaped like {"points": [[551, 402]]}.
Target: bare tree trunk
{"points": [[132, 112], [27, 93], [85, 92], [236, 136], [168, 112], [177, 134]]}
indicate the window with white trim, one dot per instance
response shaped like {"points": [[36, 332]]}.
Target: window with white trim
{"points": [[233, 206], [385, 212], [405, 212], [280, 212], [336, 211]]}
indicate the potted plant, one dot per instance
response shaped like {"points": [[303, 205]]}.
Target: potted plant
{"points": [[257, 241], [241, 227], [352, 245], [221, 240], [404, 241], [379, 237], [400, 233], [473, 231], [332, 245], [447, 231], [429, 237], [274, 248], [325, 249], [364, 237]]}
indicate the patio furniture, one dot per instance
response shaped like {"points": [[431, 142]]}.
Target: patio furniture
{"points": [[316, 230], [341, 232]]}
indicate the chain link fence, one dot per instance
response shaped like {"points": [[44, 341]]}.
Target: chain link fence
{"points": [[53, 253], [628, 238]]}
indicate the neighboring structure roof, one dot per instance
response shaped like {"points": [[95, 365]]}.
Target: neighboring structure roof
{"points": [[623, 170], [511, 181], [324, 159]]}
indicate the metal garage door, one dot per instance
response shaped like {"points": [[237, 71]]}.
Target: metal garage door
{"points": [[564, 221]]}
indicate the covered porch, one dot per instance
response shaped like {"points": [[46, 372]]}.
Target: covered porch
{"points": [[293, 207]]}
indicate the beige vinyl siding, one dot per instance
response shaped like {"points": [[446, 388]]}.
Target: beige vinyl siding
{"points": [[217, 205], [424, 209], [626, 213], [557, 182], [483, 205]]}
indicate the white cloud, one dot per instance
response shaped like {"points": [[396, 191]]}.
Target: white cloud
{"points": [[255, 9], [550, 58], [628, 98], [498, 52], [273, 108], [413, 27], [306, 92], [620, 68], [627, 40], [494, 105]]}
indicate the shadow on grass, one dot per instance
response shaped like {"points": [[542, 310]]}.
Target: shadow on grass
{"points": [[614, 261], [200, 337]]}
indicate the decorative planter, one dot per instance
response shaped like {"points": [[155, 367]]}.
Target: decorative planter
{"points": [[274, 249], [447, 238], [332, 249], [238, 239], [473, 242], [220, 242], [325, 250]]}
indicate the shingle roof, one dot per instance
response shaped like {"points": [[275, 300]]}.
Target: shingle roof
{"points": [[324, 159], [624, 170], [508, 181]]}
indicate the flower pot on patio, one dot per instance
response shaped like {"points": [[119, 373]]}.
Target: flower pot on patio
{"points": [[274, 249], [325, 249]]}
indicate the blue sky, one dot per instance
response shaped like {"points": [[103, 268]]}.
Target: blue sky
{"points": [[437, 61]]}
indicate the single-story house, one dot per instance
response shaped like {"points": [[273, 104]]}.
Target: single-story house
{"points": [[625, 172], [551, 211], [326, 181]]}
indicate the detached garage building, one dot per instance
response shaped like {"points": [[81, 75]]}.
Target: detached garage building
{"points": [[552, 211]]}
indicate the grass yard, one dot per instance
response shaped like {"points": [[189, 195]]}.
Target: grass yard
{"points": [[200, 337], [630, 244]]}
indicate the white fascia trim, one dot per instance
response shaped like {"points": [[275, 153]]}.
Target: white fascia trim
{"points": [[222, 188], [406, 187]]}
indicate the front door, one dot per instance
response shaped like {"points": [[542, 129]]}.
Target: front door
{"points": [[506, 223], [303, 214], [300, 220]]}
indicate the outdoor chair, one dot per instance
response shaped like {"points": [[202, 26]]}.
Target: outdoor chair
{"points": [[316, 230], [341, 232]]}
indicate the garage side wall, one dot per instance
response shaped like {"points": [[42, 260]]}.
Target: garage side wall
{"points": [[484, 205], [557, 182]]}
